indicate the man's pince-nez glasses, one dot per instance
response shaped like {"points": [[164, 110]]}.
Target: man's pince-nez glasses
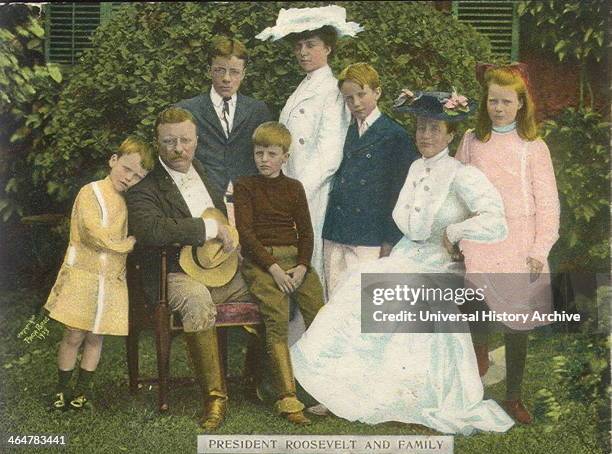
{"points": [[219, 71], [172, 142]]}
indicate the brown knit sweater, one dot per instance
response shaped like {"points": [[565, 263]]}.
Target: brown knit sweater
{"points": [[272, 212]]}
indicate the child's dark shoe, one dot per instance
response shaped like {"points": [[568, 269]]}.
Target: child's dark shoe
{"points": [[80, 402], [59, 402]]}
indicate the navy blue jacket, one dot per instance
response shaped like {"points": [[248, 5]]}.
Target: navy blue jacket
{"points": [[367, 184], [226, 158]]}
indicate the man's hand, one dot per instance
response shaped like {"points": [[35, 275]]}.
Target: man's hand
{"points": [[453, 249], [297, 274], [224, 235], [535, 268], [282, 279]]}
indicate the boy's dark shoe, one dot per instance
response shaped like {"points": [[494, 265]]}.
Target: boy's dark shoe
{"points": [[297, 418], [517, 411]]}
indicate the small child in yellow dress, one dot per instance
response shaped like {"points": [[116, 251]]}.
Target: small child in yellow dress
{"points": [[90, 294]]}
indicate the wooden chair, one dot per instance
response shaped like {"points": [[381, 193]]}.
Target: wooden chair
{"points": [[166, 327]]}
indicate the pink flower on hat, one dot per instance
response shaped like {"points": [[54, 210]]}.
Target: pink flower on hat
{"points": [[455, 104]]}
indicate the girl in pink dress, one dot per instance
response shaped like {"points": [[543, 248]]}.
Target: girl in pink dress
{"points": [[505, 146]]}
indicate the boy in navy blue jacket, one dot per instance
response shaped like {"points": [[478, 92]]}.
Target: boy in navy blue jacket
{"points": [[377, 155]]}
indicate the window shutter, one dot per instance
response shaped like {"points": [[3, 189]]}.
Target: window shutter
{"points": [[498, 20], [69, 27]]}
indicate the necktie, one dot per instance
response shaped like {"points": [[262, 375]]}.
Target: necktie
{"points": [[363, 126], [226, 115]]}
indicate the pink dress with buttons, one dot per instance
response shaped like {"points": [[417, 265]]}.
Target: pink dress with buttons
{"points": [[523, 174]]}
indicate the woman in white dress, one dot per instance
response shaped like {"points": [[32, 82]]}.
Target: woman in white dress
{"points": [[314, 113], [424, 378]]}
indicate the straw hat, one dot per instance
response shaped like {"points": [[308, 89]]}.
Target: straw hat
{"points": [[209, 263], [297, 20]]}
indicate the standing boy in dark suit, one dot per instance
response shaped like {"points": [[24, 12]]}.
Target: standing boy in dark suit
{"points": [[225, 118], [377, 155]]}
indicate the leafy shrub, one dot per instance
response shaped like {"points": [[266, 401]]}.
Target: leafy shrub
{"points": [[582, 373], [579, 140], [573, 30], [150, 55], [28, 89]]}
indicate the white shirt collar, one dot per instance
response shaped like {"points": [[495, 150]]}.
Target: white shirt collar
{"points": [[370, 119], [437, 158], [217, 99], [175, 174], [320, 73]]}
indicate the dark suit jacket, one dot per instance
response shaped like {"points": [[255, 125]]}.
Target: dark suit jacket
{"points": [[367, 184], [158, 216], [226, 158]]}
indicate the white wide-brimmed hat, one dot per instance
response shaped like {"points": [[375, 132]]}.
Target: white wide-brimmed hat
{"points": [[297, 20]]}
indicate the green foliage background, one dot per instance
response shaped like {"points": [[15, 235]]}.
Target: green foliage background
{"points": [[151, 55], [579, 139], [28, 88], [573, 30]]}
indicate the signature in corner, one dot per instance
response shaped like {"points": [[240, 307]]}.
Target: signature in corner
{"points": [[34, 329]]}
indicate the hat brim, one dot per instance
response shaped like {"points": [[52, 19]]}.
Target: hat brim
{"points": [[282, 31], [214, 214], [225, 271], [210, 277], [421, 111]]}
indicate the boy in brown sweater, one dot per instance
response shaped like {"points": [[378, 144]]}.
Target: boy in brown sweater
{"points": [[273, 221]]}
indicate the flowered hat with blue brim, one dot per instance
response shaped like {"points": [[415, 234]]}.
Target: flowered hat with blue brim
{"points": [[298, 20], [439, 105]]}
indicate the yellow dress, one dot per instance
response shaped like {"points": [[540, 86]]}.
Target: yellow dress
{"points": [[90, 292]]}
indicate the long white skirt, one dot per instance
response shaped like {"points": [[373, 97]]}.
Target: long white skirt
{"points": [[429, 379]]}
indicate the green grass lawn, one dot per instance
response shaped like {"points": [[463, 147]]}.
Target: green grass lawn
{"points": [[121, 422]]}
